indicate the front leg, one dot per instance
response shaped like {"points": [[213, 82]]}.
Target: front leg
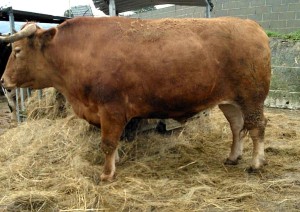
{"points": [[111, 130]]}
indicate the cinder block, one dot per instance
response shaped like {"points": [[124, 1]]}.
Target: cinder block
{"points": [[262, 9], [169, 14], [289, 1], [244, 4], [180, 12], [255, 3], [265, 24], [191, 10], [278, 24], [294, 7], [280, 8], [231, 5], [242, 11], [273, 2], [168, 9], [270, 16], [256, 17], [287, 16], [199, 15], [293, 23], [220, 13], [242, 16]]}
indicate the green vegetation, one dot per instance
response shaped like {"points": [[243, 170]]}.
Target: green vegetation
{"points": [[290, 36]]}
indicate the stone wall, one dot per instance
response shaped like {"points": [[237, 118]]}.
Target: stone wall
{"points": [[285, 81]]}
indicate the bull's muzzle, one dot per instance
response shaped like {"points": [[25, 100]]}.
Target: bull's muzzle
{"points": [[3, 85]]}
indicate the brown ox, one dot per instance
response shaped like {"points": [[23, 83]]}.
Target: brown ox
{"points": [[114, 69]]}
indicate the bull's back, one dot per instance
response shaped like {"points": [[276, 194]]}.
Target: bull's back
{"points": [[200, 63]]}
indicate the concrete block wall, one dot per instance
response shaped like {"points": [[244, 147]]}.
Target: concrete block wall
{"points": [[173, 12], [274, 15]]}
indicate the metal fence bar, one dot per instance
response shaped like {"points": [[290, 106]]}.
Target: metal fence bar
{"points": [[22, 99], [207, 11], [112, 8], [12, 30], [40, 94], [28, 92]]}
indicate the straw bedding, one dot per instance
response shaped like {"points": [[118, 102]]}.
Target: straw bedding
{"points": [[53, 162]]}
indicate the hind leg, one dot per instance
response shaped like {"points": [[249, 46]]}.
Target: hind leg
{"points": [[235, 118], [256, 122]]}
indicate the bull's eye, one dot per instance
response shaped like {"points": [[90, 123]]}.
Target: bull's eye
{"points": [[17, 50]]}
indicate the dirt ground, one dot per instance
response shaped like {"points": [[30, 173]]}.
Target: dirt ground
{"points": [[54, 165]]}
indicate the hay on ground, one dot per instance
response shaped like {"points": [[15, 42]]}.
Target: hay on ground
{"points": [[55, 164]]}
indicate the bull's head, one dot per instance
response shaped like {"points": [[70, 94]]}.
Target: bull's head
{"points": [[25, 63]]}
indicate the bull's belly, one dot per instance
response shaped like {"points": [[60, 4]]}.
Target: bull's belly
{"points": [[88, 115], [88, 112], [179, 114]]}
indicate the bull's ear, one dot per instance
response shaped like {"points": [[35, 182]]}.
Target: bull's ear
{"points": [[48, 35]]}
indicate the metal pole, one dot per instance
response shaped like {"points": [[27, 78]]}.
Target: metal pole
{"points": [[207, 12], [11, 20], [40, 94], [22, 99], [12, 30], [112, 8], [28, 92], [17, 105]]}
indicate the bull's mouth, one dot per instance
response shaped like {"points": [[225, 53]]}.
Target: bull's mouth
{"points": [[9, 87]]}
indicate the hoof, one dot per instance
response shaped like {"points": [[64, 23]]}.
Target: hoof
{"points": [[252, 170], [257, 166], [232, 162], [107, 177]]}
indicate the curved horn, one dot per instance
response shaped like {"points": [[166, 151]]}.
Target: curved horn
{"points": [[25, 32]]}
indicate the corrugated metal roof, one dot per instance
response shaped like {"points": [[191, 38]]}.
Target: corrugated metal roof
{"points": [[25, 16], [129, 5]]}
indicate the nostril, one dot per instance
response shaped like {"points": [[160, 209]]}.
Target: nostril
{"points": [[2, 80]]}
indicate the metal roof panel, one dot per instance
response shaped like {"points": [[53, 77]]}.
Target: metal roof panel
{"points": [[129, 5]]}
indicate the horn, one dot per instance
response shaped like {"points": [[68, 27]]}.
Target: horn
{"points": [[28, 30]]}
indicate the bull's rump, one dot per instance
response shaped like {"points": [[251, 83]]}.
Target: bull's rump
{"points": [[170, 67]]}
